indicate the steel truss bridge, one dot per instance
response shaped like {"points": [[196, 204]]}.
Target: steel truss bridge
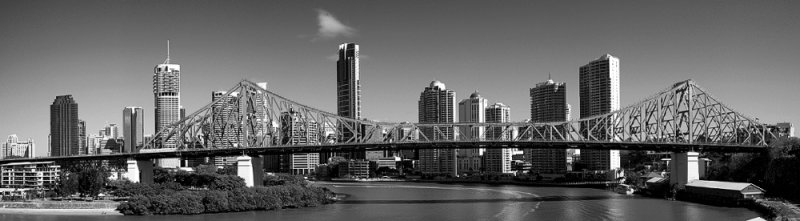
{"points": [[250, 120]]}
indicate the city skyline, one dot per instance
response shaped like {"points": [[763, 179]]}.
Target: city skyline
{"points": [[762, 59]]}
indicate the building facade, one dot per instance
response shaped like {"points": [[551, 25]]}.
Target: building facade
{"points": [[348, 93], [14, 148], [299, 130], [471, 110], [498, 160], [548, 104], [29, 175], [64, 125], [133, 128], [437, 105], [167, 97], [599, 94]]}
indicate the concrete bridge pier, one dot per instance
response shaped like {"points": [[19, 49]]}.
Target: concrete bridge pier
{"points": [[139, 171], [251, 169], [684, 168]]}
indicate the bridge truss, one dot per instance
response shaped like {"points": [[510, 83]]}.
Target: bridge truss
{"points": [[248, 116]]}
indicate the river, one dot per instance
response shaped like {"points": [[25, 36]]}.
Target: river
{"points": [[426, 201]]}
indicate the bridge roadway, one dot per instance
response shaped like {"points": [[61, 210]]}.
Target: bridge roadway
{"points": [[288, 149]]}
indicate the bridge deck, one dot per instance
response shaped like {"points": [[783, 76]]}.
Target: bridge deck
{"points": [[675, 147]]}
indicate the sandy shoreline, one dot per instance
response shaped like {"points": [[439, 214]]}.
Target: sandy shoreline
{"points": [[82, 212]]}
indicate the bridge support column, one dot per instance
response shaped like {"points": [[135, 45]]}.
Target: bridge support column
{"points": [[139, 171], [251, 169], [684, 168]]}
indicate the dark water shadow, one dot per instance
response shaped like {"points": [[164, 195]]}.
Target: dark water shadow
{"points": [[526, 199]]}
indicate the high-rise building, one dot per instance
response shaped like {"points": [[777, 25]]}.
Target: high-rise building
{"points": [[111, 131], [133, 128], [548, 104], [225, 135], [498, 160], [167, 96], [471, 110], [599, 94], [13, 147], [64, 134], [348, 93], [299, 130], [437, 105], [84, 146]]}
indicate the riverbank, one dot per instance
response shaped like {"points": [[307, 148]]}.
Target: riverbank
{"points": [[60, 208], [778, 210]]}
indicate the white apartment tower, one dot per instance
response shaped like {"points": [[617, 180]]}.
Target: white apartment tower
{"points": [[599, 94], [471, 110]]}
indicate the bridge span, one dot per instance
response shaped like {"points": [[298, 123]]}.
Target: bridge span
{"points": [[250, 121]]}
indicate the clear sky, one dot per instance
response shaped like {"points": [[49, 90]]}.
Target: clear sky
{"points": [[746, 53]]}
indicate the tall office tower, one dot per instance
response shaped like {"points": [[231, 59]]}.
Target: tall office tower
{"points": [[64, 135], [225, 135], [548, 104], [471, 110], [15, 148], [133, 128], [437, 105], [299, 130], [498, 160], [84, 147], [599, 94], [348, 92], [167, 96]]}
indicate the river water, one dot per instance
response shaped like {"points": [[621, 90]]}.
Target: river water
{"points": [[424, 201]]}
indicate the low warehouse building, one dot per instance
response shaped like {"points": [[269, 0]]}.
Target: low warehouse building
{"points": [[724, 193]]}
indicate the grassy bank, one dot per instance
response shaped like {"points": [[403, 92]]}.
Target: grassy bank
{"points": [[42, 204]]}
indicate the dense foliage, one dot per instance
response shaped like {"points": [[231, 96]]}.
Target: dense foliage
{"points": [[215, 201], [776, 171], [209, 191], [88, 180]]}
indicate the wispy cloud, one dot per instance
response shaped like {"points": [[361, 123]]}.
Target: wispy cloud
{"points": [[330, 27]]}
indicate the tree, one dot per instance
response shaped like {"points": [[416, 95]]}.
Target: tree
{"points": [[67, 184], [92, 180], [206, 169]]}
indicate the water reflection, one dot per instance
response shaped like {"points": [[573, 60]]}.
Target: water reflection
{"points": [[525, 199]]}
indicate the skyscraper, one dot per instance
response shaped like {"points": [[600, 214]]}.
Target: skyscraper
{"points": [[498, 160], [64, 134], [599, 94], [471, 110], [437, 105], [133, 128], [167, 95], [348, 92], [225, 135], [548, 104], [16, 148]]}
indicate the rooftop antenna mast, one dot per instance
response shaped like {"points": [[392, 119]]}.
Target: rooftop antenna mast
{"points": [[167, 61]]}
